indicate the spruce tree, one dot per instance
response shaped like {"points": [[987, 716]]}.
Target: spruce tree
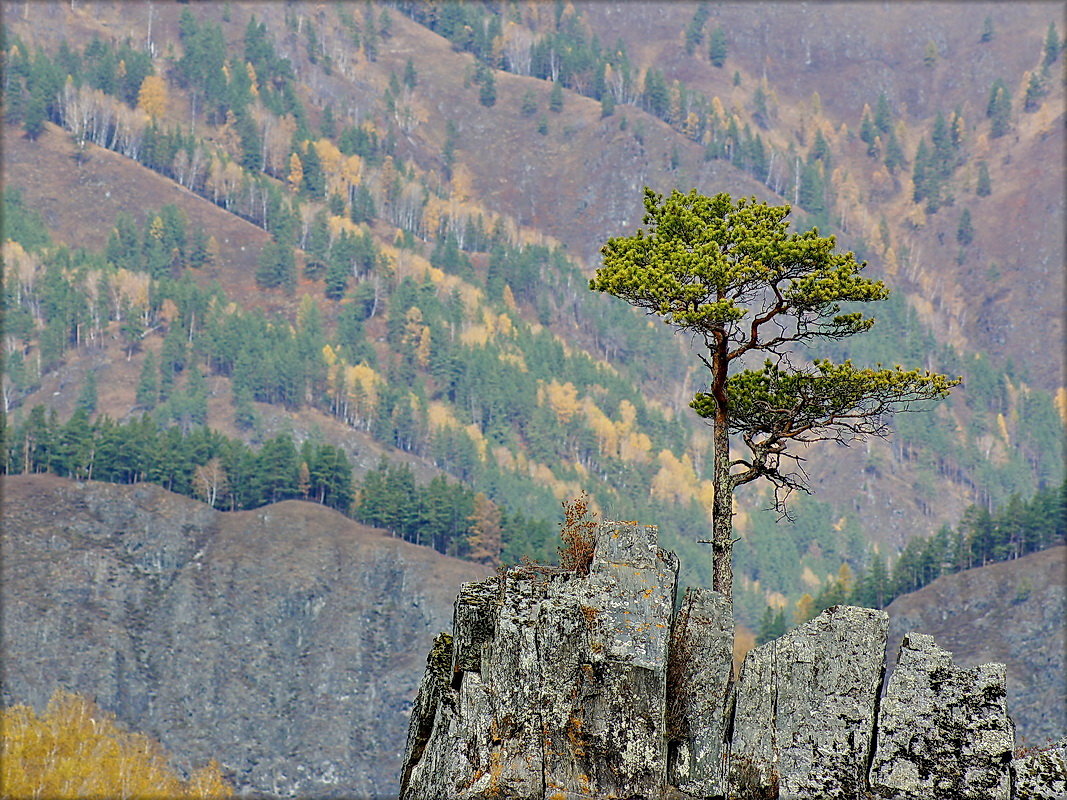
{"points": [[529, 104], [1053, 46], [987, 30], [555, 97], [87, 398], [148, 384], [717, 48], [1035, 90], [965, 230], [998, 109], [985, 186]]}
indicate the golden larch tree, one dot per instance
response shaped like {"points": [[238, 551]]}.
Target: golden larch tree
{"points": [[152, 97]]}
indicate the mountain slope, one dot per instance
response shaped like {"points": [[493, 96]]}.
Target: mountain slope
{"points": [[286, 642], [449, 163]]}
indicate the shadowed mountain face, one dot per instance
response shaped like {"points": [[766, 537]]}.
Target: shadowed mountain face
{"points": [[287, 642], [1011, 612]]}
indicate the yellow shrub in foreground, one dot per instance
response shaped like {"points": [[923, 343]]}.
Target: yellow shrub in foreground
{"points": [[75, 750]]}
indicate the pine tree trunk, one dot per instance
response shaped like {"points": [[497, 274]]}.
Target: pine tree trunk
{"points": [[722, 509], [722, 512]]}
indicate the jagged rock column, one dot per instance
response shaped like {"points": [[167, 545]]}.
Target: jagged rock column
{"points": [[943, 731], [699, 677], [804, 709], [557, 682]]}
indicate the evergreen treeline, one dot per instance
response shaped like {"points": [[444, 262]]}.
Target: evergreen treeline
{"points": [[1017, 528], [203, 463]]}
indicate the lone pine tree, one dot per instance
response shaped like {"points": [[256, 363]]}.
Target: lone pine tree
{"points": [[729, 274]]}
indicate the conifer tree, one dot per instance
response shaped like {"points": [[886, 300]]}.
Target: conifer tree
{"points": [[998, 109], [1053, 45], [965, 230], [529, 104], [987, 30], [1035, 90], [555, 97], [87, 399], [985, 186], [730, 275], [717, 48]]}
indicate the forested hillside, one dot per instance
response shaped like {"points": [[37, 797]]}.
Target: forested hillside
{"points": [[252, 250]]}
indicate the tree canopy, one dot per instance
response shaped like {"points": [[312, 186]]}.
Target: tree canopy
{"points": [[733, 276]]}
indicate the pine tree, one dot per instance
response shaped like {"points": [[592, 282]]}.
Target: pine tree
{"points": [[277, 267], [869, 134], [894, 153], [555, 97], [314, 179], [985, 186], [717, 49], [987, 30], [1053, 46], [965, 230], [87, 398], [607, 105], [883, 115], [708, 266], [487, 79], [529, 104], [1035, 90], [656, 96], [920, 172], [998, 109]]}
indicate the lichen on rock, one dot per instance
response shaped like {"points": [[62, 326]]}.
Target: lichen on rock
{"points": [[943, 731]]}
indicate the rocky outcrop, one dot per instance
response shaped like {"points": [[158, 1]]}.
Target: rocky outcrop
{"points": [[1042, 774], [557, 685], [700, 676], [287, 642], [943, 731], [803, 722]]}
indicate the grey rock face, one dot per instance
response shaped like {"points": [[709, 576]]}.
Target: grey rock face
{"points": [[566, 697], [1042, 775], [803, 719], [943, 731], [699, 676]]}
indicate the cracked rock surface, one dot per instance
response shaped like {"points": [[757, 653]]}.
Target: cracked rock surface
{"points": [[804, 704], [943, 731], [557, 684]]}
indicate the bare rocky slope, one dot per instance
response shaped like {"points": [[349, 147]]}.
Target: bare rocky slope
{"points": [[287, 642], [1013, 613]]}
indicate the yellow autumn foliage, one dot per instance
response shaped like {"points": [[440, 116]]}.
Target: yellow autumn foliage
{"points": [[676, 480], [152, 96], [562, 398], [76, 750], [440, 415], [480, 444], [475, 335]]}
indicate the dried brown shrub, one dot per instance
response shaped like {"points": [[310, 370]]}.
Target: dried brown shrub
{"points": [[577, 533]]}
